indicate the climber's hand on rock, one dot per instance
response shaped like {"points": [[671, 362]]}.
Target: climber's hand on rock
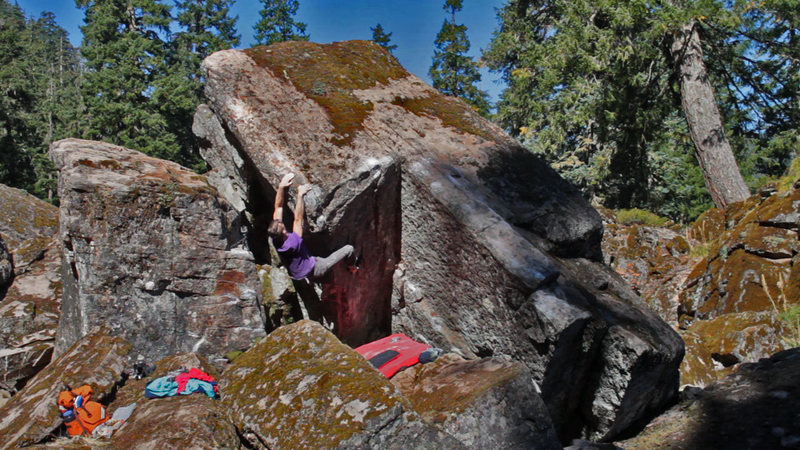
{"points": [[302, 190], [287, 180]]}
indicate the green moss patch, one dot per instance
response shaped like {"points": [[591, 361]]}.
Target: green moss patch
{"points": [[452, 112], [640, 216], [328, 74]]}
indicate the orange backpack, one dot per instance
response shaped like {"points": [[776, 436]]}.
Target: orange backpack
{"points": [[80, 414]]}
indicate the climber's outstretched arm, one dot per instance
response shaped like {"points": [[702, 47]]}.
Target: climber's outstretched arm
{"points": [[286, 181], [300, 209]]}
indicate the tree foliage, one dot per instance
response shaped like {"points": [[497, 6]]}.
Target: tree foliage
{"points": [[454, 72], [591, 87], [382, 38], [39, 76], [277, 23], [126, 54]]}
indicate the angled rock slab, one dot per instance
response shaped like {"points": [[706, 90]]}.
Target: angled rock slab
{"points": [[97, 360], [486, 403], [301, 387], [150, 252]]}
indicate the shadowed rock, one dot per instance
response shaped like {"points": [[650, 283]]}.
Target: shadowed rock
{"points": [[301, 387], [468, 240], [97, 360], [150, 251], [755, 407], [6, 264]]}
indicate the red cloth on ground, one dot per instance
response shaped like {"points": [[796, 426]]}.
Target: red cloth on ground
{"points": [[183, 378]]}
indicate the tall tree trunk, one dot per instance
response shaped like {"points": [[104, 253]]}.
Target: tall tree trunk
{"points": [[723, 179]]}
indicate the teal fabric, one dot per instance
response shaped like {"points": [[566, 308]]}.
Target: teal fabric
{"points": [[161, 387], [195, 385]]}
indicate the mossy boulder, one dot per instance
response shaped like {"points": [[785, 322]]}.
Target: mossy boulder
{"points": [[27, 224], [715, 347], [183, 421], [653, 260], [301, 387], [486, 403], [97, 360]]}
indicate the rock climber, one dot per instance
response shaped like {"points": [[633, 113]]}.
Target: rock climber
{"points": [[291, 249]]}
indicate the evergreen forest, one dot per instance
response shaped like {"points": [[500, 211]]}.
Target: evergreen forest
{"points": [[671, 106]]}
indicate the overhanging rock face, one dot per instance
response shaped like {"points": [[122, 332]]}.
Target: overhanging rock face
{"points": [[469, 241], [150, 251]]}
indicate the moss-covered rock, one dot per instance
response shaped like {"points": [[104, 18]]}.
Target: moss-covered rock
{"points": [[486, 403], [183, 421], [715, 347], [301, 387], [97, 360], [25, 218]]}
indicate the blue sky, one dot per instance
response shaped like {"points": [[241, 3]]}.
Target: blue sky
{"points": [[413, 24]]}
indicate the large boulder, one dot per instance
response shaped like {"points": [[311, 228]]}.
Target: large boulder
{"points": [[32, 415], [468, 240], [301, 387], [151, 251], [486, 403], [30, 285]]}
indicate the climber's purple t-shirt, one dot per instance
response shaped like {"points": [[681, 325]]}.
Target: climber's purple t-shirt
{"points": [[295, 257]]}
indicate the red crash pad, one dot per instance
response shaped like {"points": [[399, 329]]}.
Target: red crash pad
{"points": [[393, 353]]}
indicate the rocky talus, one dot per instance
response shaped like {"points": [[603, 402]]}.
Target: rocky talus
{"points": [[727, 282]]}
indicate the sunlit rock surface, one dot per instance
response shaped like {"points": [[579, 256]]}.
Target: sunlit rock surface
{"points": [[97, 360], [469, 242], [150, 251], [302, 388]]}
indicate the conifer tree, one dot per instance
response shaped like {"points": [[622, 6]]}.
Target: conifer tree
{"points": [[16, 100], [204, 27], [56, 74], [382, 38], [595, 87], [454, 72], [125, 56], [277, 23]]}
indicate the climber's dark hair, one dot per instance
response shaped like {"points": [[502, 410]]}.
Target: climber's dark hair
{"points": [[275, 230]]}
